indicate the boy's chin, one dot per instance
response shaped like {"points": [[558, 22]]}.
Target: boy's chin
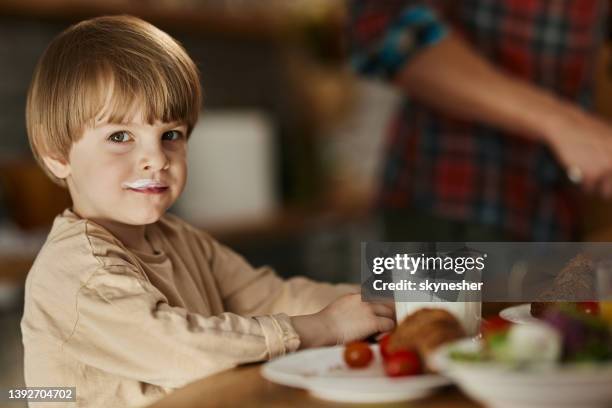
{"points": [[144, 218]]}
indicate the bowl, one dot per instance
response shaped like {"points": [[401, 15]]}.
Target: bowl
{"points": [[500, 385]]}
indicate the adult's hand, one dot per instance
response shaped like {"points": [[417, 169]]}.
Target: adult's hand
{"points": [[583, 144]]}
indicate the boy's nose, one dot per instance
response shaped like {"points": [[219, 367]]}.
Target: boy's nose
{"points": [[154, 159]]}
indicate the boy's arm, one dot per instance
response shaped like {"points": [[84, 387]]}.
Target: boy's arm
{"points": [[265, 292], [253, 291], [126, 327]]}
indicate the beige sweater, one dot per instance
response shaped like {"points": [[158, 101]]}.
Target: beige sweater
{"points": [[126, 327]]}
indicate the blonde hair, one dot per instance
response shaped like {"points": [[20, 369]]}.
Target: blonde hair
{"points": [[103, 66]]}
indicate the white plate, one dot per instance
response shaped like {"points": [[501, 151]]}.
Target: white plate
{"points": [[501, 386], [323, 372], [520, 314]]}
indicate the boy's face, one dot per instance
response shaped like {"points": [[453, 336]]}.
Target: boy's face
{"points": [[128, 173]]}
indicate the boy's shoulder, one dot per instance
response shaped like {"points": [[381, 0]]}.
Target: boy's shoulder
{"points": [[79, 246]]}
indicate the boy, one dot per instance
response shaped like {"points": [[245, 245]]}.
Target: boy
{"points": [[124, 302]]}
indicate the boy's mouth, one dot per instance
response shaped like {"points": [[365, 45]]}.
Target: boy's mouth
{"points": [[148, 186], [150, 190]]}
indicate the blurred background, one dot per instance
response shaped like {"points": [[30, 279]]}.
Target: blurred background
{"points": [[279, 100]]}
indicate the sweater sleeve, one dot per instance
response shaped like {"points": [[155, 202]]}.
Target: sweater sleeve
{"points": [[125, 326], [253, 291]]}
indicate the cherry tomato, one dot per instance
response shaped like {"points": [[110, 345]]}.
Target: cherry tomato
{"points": [[494, 325], [383, 343], [590, 308], [358, 354], [403, 363]]}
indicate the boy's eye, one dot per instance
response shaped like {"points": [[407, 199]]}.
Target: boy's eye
{"points": [[119, 137], [172, 135]]}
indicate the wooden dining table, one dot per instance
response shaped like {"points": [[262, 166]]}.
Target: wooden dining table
{"points": [[245, 387]]}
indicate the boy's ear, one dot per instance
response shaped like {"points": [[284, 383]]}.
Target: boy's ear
{"points": [[59, 167]]}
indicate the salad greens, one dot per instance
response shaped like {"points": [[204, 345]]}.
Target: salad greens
{"points": [[564, 335]]}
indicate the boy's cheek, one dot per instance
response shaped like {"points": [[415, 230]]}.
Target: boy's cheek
{"points": [[117, 149], [179, 149]]}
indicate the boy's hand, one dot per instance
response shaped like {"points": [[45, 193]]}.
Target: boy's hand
{"points": [[351, 319], [345, 320]]}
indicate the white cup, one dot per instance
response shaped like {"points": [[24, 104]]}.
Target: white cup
{"points": [[467, 308]]}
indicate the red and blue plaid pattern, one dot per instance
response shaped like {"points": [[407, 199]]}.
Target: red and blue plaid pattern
{"points": [[467, 171]]}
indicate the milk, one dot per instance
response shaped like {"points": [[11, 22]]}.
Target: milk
{"points": [[467, 308]]}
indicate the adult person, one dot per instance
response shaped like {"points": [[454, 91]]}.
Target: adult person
{"points": [[492, 141]]}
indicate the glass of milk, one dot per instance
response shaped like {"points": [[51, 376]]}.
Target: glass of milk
{"points": [[467, 308]]}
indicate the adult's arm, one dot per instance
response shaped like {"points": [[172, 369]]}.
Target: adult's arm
{"points": [[455, 79], [409, 46]]}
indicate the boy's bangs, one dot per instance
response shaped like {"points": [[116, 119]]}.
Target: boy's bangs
{"points": [[113, 94]]}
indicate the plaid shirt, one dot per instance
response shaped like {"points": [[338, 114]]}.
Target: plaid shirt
{"points": [[467, 171]]}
